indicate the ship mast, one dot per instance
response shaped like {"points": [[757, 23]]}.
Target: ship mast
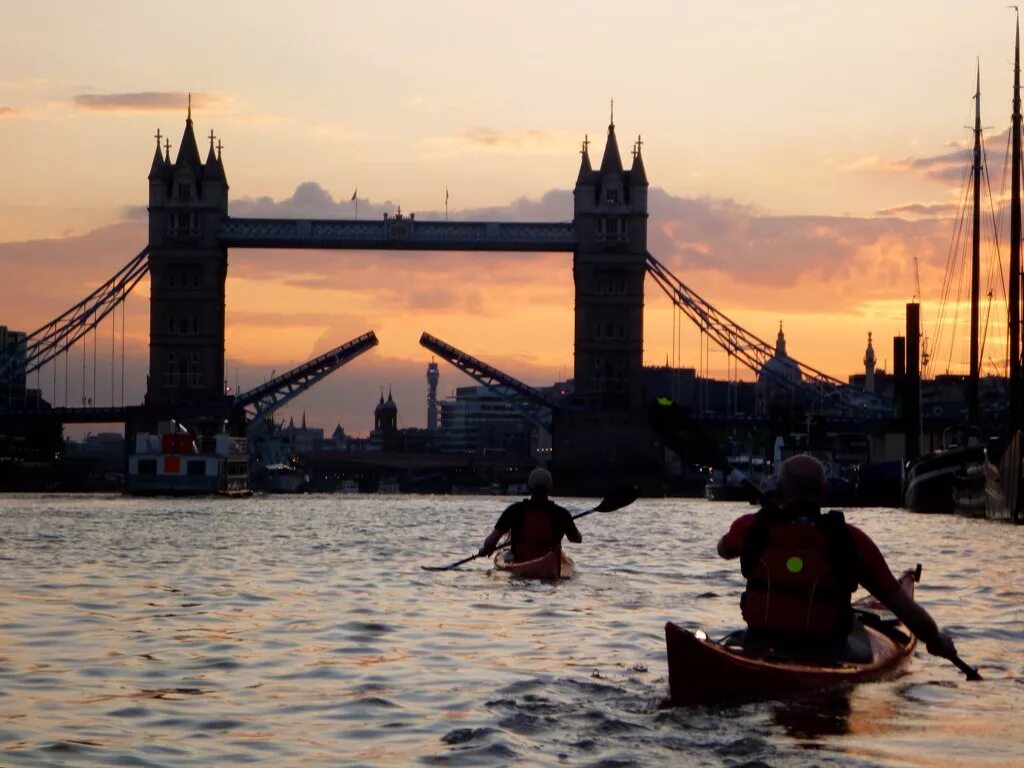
{"points": [[1014, 276], [972, 395]]}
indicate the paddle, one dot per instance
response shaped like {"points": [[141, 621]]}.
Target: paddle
{"points": [[617, 499]]}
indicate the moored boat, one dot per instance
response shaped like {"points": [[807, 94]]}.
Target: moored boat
{"points": [[554, 565], [174, 462], [932, 478], [702, 671]]}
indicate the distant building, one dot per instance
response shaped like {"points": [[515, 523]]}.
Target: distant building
{"points": [[433, 376], [303, 439], [869, 366], [385, 424], [12, 368], [777, 379], [477, 420]]}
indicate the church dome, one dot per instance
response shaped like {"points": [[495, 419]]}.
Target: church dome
{"points": [[781, 368]]}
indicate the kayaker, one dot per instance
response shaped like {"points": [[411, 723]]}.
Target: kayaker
{"points": [[537, 524], [802, 566]]}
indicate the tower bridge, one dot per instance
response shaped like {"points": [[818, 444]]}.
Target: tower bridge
{"points": [[602, 434]]}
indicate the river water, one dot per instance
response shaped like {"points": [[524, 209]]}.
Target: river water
{"points": [[302, 631]]}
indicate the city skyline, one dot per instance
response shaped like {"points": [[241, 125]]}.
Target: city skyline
{"points": [[805, 201]]}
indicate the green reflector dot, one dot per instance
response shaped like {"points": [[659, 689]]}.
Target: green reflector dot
{"points": [[795, 565]]}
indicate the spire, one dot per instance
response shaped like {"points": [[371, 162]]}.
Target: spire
{"points": [[585, 168], [780, 343], [869, 354], [638, 174], [156, 170], [188, 150], [611, 162], [303, 418], [389, 395], [213, 170]]}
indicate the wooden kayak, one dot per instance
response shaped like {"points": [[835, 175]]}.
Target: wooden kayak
{"points": [[553, 565], [702, 671]]}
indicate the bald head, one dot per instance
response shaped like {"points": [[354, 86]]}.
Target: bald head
{"points": [[801, 478]]}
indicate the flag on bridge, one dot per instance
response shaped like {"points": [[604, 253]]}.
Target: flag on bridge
{"points": [[354, 191]]}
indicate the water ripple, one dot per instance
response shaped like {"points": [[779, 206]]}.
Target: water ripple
{"points": [[301, 631]]}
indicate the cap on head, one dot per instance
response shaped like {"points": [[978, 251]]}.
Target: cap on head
{"points": [[540, 480], [802, 478]]}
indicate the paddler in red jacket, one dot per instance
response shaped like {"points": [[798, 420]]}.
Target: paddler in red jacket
{"points": [[803, 565], [537, 524]]}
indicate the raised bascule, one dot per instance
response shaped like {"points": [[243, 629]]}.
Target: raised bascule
{"points": [[599, 434]]}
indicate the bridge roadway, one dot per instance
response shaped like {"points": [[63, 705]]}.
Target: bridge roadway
{"points": [[394, 233]]}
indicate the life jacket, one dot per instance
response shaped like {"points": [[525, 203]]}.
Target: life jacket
{"points": [[801, 568], [536, 535]]}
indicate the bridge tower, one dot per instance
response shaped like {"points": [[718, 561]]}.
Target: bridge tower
{"points": [[188, 201], [606, 436], [609, 265]]}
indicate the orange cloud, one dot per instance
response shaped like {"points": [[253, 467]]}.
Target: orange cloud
{"points": [[10, 111]]}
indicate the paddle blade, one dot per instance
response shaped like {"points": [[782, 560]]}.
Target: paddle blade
{"points": [[971, 672], [619, 498], [450, 566]]}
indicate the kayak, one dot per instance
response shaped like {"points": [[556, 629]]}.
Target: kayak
{"points": [[702, 671], [553, 565]]}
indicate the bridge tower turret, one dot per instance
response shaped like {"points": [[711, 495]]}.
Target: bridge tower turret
{"points": [[188, 201]]}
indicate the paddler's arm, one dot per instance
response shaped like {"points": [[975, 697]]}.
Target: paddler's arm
{"points": [[731, 545], [726, 549], [505, 524], [572, 533], [921, 623], [877, 578], [490, 542]]}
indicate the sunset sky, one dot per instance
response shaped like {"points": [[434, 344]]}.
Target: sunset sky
{"points": [[800, 155]]}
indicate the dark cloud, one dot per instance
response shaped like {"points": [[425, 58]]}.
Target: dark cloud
{"points": [[141, 101], [496, 138], [310, 200], [953, 167], [930, 210]]}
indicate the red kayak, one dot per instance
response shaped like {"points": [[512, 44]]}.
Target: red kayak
{"points": [[702, 671], [553, 565]]}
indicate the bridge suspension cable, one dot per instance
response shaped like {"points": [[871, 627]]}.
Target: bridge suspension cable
{"points": [[57, 336], [754, 352]]}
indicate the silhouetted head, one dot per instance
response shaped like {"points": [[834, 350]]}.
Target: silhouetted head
{"points": [[540, 482], [801, 479]]}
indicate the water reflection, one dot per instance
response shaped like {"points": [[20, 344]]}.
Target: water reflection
{"points": [[811, 717]]}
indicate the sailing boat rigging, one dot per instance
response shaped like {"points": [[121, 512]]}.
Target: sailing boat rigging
{"points": [[954, 477], [1003, 479]]}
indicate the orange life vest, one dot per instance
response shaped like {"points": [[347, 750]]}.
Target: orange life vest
{"points": [[801, 570]]}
